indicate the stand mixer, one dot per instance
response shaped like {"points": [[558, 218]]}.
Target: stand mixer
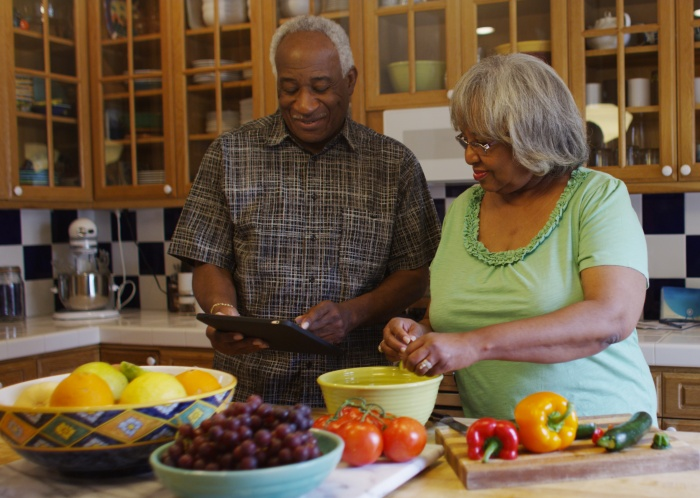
{"points": [[85, 285]]}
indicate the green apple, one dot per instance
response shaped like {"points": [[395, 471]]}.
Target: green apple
{"points": [[116, 380]]}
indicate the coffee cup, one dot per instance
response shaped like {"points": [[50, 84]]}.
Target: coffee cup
{"points": [[594, 93]]}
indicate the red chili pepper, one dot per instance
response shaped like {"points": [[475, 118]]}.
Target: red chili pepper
{"points": [[488, 436], [597, 434]]}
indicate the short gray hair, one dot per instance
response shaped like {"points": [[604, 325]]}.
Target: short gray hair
{"points": [[331, 29], [520, 100]]}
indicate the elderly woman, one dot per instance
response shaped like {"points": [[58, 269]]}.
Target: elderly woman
{"points": [[541, 271]]}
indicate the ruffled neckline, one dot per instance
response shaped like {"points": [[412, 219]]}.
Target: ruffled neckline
{"points": [[471, 225]]}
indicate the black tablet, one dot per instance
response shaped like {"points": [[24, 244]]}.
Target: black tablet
{"points": [[281, 335]]}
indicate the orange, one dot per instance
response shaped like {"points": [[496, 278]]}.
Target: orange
{"points": [[198, 381], [82, 389]]}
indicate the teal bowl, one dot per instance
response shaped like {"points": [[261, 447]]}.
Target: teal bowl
{"points": [[285, 481]]}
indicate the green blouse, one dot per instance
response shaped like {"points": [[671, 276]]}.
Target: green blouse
{"points": [[592, 224]]}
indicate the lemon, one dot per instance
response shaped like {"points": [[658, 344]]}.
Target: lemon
{"points": [[36, 395], [116, 380], [130, 370], [152, 387]]}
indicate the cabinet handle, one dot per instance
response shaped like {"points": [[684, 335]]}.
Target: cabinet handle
{"points": [[18, 191], [667, 170], [151, 361], [685, 169], [167, 189]]}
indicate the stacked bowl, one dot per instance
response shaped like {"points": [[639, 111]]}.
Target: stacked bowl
{"points": [[230, 12]]}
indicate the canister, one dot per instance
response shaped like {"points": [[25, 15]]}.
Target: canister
{"points": [[11, 294]]}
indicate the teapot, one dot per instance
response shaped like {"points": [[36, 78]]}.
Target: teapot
{"points": [[608, 21]]}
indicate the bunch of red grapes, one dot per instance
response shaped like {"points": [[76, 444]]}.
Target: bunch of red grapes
{"points": [[246, 435]]}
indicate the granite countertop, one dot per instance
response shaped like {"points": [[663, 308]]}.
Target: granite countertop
{"points": [[662, 345]]}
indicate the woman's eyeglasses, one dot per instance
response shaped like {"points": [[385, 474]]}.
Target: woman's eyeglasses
{"points": [[479, 147]]}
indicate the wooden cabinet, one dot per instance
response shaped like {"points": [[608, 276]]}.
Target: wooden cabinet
{"points": [[45, 101], [679, 397], [643, 65], [28, 368], [150, 355], [16, 371], [133, 116]]}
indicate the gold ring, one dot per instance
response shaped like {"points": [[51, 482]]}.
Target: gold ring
{"points": [[379, 348], [425, 365]]}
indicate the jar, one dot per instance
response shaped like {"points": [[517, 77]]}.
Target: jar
{"points": [[11, 294]]}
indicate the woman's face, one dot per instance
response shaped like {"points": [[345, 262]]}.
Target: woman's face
{"points": [[496, 170], [313, 95]]}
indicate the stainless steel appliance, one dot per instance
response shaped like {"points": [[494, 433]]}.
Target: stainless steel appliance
{"points": [[85, 286]]}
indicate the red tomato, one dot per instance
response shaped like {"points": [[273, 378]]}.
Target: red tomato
{"points": [[363, 442], [321, 422], [404, 438]]}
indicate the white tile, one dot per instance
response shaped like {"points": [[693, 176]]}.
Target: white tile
{"points": [[152, 298], [25, 346], [636, 200], [59, 341], [679, 350], [3, 346], [169, 338], [36, 226], [131, 258], [38, 297], [648, 352], [103, 220], [172, 264], [692, 283], [88, 336], [110, 335], [198, 340], [666, 256], [62, 259], [12, 255], [149, 225], [692, 213]]}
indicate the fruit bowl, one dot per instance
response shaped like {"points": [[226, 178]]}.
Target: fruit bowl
{"points": [[395, 389], [107, 439], [284, 481]]}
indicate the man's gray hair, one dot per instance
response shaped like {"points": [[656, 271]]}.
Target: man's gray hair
{"points": [[520, 100], [331, 29]]}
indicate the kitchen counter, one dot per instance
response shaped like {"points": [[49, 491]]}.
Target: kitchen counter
{"points": [[21, 478], [662, 345]]}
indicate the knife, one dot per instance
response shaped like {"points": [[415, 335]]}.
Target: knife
{"points": [[454, 424]]}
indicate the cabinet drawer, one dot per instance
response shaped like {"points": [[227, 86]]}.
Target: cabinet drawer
{"points": [[187, 357], [132, 354], [65, 361], [680, 424], [16, 371], [681, 395]]}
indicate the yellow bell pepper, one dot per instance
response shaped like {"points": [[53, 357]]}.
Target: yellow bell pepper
{"points": [[546, 422]]}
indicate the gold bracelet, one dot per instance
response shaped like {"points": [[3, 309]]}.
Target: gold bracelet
{"points": [[227, 305]]}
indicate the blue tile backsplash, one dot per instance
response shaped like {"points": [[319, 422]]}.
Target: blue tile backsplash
{"points": [[36, 240]]}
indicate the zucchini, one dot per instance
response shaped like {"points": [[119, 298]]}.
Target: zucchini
{"points": [[585, 431], [626, 434]]}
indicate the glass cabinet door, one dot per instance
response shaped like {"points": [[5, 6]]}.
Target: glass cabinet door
{"points": [[626, 84], [406, 52], [215, 75], [688, 32], [51, 115], [133, 115]]}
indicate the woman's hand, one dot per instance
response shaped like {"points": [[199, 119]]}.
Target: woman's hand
{"points": [[398, 334]]}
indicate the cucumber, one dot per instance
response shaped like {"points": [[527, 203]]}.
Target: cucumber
{"points": [[626, 434], [585, 431]]}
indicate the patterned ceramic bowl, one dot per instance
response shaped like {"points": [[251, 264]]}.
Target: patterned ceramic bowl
{"points": [[111, 439], [395, 389]]}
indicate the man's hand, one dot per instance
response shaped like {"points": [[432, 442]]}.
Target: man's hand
{"points": [[328, 320], [233, 343]]}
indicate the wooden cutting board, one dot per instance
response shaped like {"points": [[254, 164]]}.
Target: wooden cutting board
{"points": [[582, 460]]}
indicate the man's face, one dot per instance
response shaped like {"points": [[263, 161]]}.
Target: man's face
{"points": [[312, 93]]}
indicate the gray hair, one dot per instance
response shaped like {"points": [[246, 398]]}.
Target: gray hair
{"points": [[520, 100], [331, 29]]}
